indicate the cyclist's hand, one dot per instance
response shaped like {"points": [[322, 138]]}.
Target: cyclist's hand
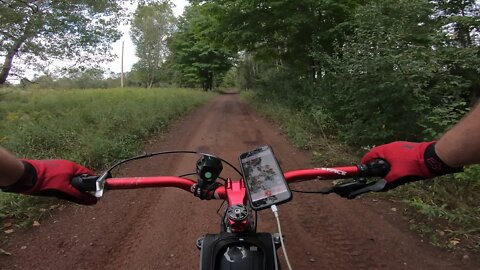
{"points": [[407, 160], [52, 178]]}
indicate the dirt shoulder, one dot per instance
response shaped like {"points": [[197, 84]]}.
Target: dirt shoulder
{"points": [[157, 228]]}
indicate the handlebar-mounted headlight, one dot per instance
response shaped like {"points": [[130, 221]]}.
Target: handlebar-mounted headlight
{"points": [[208, 170]]}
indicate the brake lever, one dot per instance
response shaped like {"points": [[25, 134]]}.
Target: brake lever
{"points": [[344, 188], [352, 189], [375, 186], [87, 182], [100, 184]]}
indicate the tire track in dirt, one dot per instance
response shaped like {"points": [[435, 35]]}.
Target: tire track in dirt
{"points": [[157, 228]]}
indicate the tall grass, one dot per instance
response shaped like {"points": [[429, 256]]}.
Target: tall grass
{"points": [[90, 127]]}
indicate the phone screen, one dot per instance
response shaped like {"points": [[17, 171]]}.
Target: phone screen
{"points": [[265, 182]]}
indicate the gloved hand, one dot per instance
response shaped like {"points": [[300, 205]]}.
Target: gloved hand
{"points": [[52, 178], [409, 161]]}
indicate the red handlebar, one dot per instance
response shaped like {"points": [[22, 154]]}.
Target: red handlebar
{"points": [[145, 182], [322, 173], [157, 181], [187, 184], [234, 192]]}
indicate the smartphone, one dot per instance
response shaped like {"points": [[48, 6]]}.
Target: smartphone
{"points": [[264, 179]]}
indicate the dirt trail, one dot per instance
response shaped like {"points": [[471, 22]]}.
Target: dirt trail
{"points": [[157, 228]]}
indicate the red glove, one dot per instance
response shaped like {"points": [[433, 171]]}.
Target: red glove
{"points": [[410, 161], [52, 178]]}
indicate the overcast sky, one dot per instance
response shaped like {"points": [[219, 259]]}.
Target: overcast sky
{"points": [[129, 51]]}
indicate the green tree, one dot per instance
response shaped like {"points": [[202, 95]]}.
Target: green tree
{"points": [[397, 76], [284, 32], [461, 19], [197, 59], [152, 24], [78, 79], [42, 31]]}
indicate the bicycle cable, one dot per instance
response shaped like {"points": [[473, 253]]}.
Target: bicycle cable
{"points": [[219, 208], [189, 174], [310, 192], [275, 213], [148, 155]]}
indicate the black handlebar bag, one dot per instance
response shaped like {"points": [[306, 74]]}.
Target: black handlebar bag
{"points": [[238, 252]]}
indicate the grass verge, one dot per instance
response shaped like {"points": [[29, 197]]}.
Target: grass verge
{"points": [[90, 127], [445, 210], [302, 131]]}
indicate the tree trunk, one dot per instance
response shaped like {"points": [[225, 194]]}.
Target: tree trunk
{"points": [[210, 80], [313, 68], [204, 85], [7, 64]]}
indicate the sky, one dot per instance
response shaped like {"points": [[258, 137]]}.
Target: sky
{"points": [[129, 50]]}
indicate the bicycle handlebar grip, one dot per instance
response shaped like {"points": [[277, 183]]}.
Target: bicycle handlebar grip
{"points": [[376, 168], [84, 182]]}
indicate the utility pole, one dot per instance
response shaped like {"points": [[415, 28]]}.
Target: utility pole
{"points": [[121, 78]]}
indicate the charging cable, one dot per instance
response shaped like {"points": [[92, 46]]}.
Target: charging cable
{"points": [[275, 213]]}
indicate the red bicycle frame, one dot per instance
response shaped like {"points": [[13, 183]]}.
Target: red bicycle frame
{"points": [[233, 191]]}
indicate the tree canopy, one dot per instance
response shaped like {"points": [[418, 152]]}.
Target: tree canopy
{"points": [[40, 32], [152, 24], [197, 59], [354, 59]]}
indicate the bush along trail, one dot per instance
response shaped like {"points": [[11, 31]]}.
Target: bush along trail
{"points": [[444, 211]]}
